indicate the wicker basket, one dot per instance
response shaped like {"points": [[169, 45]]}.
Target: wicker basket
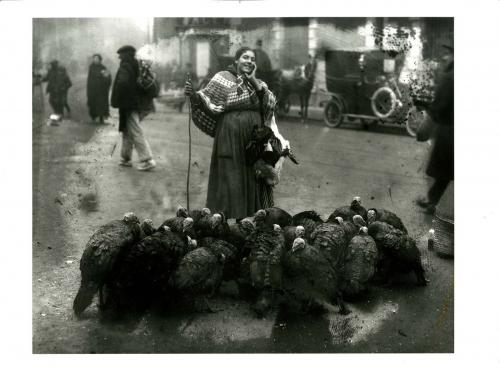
{"points": [[444, 236]]}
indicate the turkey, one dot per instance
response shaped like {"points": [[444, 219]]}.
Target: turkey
{"points": [[101, 253], [291, 233], [182, 212], [201, 271], [391, 218], [266, 173], [208, 225], [347, 212], [264, 136], [399, 248], [273, 215], [261, 270], [147, 228], [238, 233], [230, 252], [309, 281], [331, 240], [202, 222], [141, 278], [181, 225], [359, 264], [197, 214], [220, 227], [274, 151], [309, 220], [351, 228]]}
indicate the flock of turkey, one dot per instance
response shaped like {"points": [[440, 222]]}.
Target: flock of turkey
{"points": [[300, 262]]}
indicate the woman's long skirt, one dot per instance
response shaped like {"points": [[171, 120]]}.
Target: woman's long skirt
{"points": [[232, 184]]}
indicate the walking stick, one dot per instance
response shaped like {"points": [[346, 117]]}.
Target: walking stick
{"points": [[42, 98], [114, 146], [188, 102]]}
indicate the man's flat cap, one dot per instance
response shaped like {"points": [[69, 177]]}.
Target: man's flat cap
{"points": [[126, 49]]}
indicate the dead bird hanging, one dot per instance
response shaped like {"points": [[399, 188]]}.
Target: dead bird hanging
{"points": [[266, 146]]}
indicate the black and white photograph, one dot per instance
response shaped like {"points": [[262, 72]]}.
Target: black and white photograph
{"points": [[254, 182], [313, 206]]}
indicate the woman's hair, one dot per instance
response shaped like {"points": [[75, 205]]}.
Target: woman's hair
{"points": [[98, 55], [241, 51]]}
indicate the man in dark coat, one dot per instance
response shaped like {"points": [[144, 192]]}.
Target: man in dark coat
{"points": [[98, 83], [132, 107], [441, 161], [58, 83]]}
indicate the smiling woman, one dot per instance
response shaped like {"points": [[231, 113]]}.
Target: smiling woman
{"points": [[227, 109]]}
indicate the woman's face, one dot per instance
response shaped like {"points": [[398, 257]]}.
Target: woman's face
{"points": [[96, 60], [246, 62]]}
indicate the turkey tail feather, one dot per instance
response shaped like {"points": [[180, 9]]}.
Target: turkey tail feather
{"points": [[84, 297]]}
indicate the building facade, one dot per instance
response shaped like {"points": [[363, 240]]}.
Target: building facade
{"points": [[208, 44]]}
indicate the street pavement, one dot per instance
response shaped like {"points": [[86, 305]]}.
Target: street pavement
{"points": [[78, 186]]}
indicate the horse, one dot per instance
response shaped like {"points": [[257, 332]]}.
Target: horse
{"points": [[300, 81]]}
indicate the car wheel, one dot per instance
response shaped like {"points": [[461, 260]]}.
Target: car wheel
{"points": [[384, 102], [333, 113]]}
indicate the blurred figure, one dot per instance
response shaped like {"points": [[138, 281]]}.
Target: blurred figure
{"points": [[264, 67], [36, 79], [58, 84], [178, 77], [441, 161], [98, 83], [310, 69], [132, 109], [170, 74], [167, 76]]}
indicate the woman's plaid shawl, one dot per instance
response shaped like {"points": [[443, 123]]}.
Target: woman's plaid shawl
{"points": [[227, 91]]}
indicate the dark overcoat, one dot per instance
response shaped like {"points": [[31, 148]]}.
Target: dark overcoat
{"points": [[441, 161], [58, 83], [98, 83], [125, 94]]}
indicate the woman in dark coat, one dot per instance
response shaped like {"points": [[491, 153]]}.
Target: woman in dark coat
{"points": [[230, 104], [58, 83], [98, 83], [441, 161]]}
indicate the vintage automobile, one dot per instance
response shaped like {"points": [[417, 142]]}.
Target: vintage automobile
{"points": [[364, 86]]}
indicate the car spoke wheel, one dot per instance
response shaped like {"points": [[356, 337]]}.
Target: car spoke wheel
{"points": [[383, 102], [333, 113]]}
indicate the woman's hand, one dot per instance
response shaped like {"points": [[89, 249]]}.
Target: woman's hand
{"points": [[251, 77], [188, 88]]}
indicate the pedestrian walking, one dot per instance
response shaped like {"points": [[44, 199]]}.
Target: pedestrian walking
{"points": [[132, 106], [58, 84], [98, 84], [441, 161], [228, 108]]}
